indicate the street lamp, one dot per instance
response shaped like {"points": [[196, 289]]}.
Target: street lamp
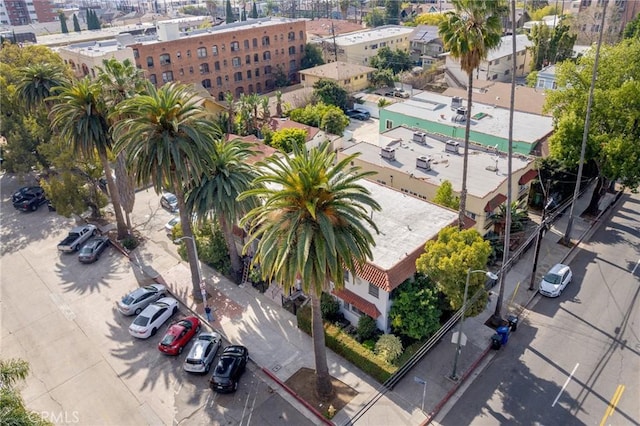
{"points": [[490, 275], [203, 289]]}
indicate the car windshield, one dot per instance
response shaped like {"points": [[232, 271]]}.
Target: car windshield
{"points": [[132, 297], [553, 278], [168, 339], [171, 198], [223, 369], [141, 320]]}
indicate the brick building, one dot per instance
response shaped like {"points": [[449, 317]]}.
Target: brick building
{"points": [[24, 12], [242, 57]]}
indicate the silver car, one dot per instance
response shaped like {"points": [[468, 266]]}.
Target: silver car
{"points": [[134, 302], [202, 353]]}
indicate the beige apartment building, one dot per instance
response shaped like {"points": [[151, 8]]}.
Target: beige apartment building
{"points": [[352, 78], [242, 57], [84, 58]]}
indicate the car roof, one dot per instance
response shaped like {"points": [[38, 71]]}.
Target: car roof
{"points": [[558, 268]]}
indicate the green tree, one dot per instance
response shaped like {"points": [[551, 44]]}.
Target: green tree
{"points": [[429, 19], [214, 195], [63, 22], [542, 10], [80, 113], [612, 140], [447, 259], [383, 78], [229, 13], [334, 121], [415, 312], [13, 410], [469, 32], [312, 57], [76, 24], [445, 196], [550, 46], [330, 92], [389, 347], [243, 15], [314, 223], [168, 139], [254, 11], [278, 103], [395, 60], [632, 30], [286, 139], [326, 117], [38, 82], [392, 12], [280, 78], [375, 18]]}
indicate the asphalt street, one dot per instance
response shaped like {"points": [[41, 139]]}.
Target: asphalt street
{"points": [[60, 316], [574, 360]]}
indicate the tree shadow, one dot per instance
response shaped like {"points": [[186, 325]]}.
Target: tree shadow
{"points": [[82, 278]]}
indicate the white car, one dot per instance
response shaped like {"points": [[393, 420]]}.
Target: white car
{"points": [[171, 224], [202, 353], [134, 302], [151, 319], [555, 281]]}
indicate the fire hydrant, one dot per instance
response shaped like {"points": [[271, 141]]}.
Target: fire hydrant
{"points": [[331, 411]]}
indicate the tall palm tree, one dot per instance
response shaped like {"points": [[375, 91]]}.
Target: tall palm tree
{"points": [[167, 137], [278, 103], [469, 32], [38, 82], [314, 223], [80, 113], [226, 176]]}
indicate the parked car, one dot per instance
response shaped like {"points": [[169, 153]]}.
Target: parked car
{"points": [[555, 281], [401, 94], [361, 116], [76, 237], [92, 250], [178, 335], [140, 298], [28, 198], [358, 112], [229, 369], [169, 202], [151, 319], [202, 353], [171, 224]]}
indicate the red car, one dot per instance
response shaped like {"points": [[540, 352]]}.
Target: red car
{"points": [[179, 335]]}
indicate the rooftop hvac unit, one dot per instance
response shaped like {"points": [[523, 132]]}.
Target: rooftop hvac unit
{"points": [[461, 111], [388, 153], [420, 137], [423, 163], [456, 102], [452, 147]]}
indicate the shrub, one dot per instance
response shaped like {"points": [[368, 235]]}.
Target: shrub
{"points": [[130, 243], [388, 347], [369, 344], [366, 328], [329, 306]]}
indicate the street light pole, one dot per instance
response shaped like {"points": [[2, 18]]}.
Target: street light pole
{"points": [[423, 382], [453, 375], [203, 289]]}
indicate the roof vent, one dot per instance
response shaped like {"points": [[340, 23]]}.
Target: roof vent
{"points": [[452, 147], [456, 102], [388, 153], [423, 162], [461, 111], [420, 137]]}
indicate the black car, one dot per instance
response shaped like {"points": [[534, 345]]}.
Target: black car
{"points": [[231, 365], [361, 116], [28, 198], [358, 114], [92, 250]]}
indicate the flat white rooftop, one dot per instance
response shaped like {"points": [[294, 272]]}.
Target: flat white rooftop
{"points": [[444, 165], [528, 128], [93, 48], [387, 31], [405, 223]]}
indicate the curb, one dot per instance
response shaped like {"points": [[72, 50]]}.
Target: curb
{"points": [[298, 398]]}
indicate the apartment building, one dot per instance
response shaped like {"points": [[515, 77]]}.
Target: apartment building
{"points": [[84, 58], [24, 12], [426, 45], [352, 78], [242, 57], [587, 18], [358, 48]]}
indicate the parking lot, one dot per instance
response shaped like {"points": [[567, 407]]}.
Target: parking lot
{"points": [[61, 316]]}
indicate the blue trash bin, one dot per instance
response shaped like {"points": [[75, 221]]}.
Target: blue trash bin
{"points": [[503, 331]]}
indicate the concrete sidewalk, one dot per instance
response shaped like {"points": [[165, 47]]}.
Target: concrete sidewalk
{"points": [[246, 316]]}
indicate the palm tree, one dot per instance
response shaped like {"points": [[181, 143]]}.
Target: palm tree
{"points": [[167, 137], [469, 32], [38, 82], [312, 226], [266, 111], [80, 113], [227, 175], [13, 410], [278, 103], [231, 111]]}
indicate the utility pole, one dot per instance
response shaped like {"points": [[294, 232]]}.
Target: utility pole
{"points": [[585, 133], [335, 47], [541, 231]]}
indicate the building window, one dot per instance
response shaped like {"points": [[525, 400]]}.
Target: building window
{"points": [[188, 53], [345, 275], [235, 46], [373, 290], [181, 72], [224, 63], [388, 124], [204, 68], [292, 65], [291, 36], [214, 50], [216, 66], [265, 41], [153, 79], [202, 52], [247, 59], [178, 55], [237, 76], [221, 96], [257, 72], [267, 70], [167, 76], [248, 74], [149, 61], [292, 50], [136, 53], [301, 35], [236, 61], [374, 46], [246, 44], [218, 81], [255, 42], [206, 83], [190, 70], [256, 57], [266, 55]]}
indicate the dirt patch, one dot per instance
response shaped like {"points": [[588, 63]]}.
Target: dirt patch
{"points": [[303, 383]]}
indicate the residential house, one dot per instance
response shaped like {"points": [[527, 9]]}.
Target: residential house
{"points": [[547, 78], [416, 163], [498, 94], [352, 78], [437, 114], [496, 66], [426, 45], [403, 234]]}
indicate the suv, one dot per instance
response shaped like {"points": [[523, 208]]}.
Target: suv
{"points": [[28, 198], [169, 201], [556, 280]]}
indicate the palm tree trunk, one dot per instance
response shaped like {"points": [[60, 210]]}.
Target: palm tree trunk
{"points": [[465, 161], [190, 244], [324, 388], [234, 256], [113, 193]]}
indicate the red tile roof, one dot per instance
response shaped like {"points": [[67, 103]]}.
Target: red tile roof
{"points": [[495, 202], [357, 301], [527, 177]]}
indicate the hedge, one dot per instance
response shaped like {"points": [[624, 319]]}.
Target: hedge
{"points": [[348, 347]]}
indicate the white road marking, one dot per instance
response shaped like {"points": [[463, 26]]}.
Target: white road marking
{"points": [[64, 308], [565, 384], [635, 267]]}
